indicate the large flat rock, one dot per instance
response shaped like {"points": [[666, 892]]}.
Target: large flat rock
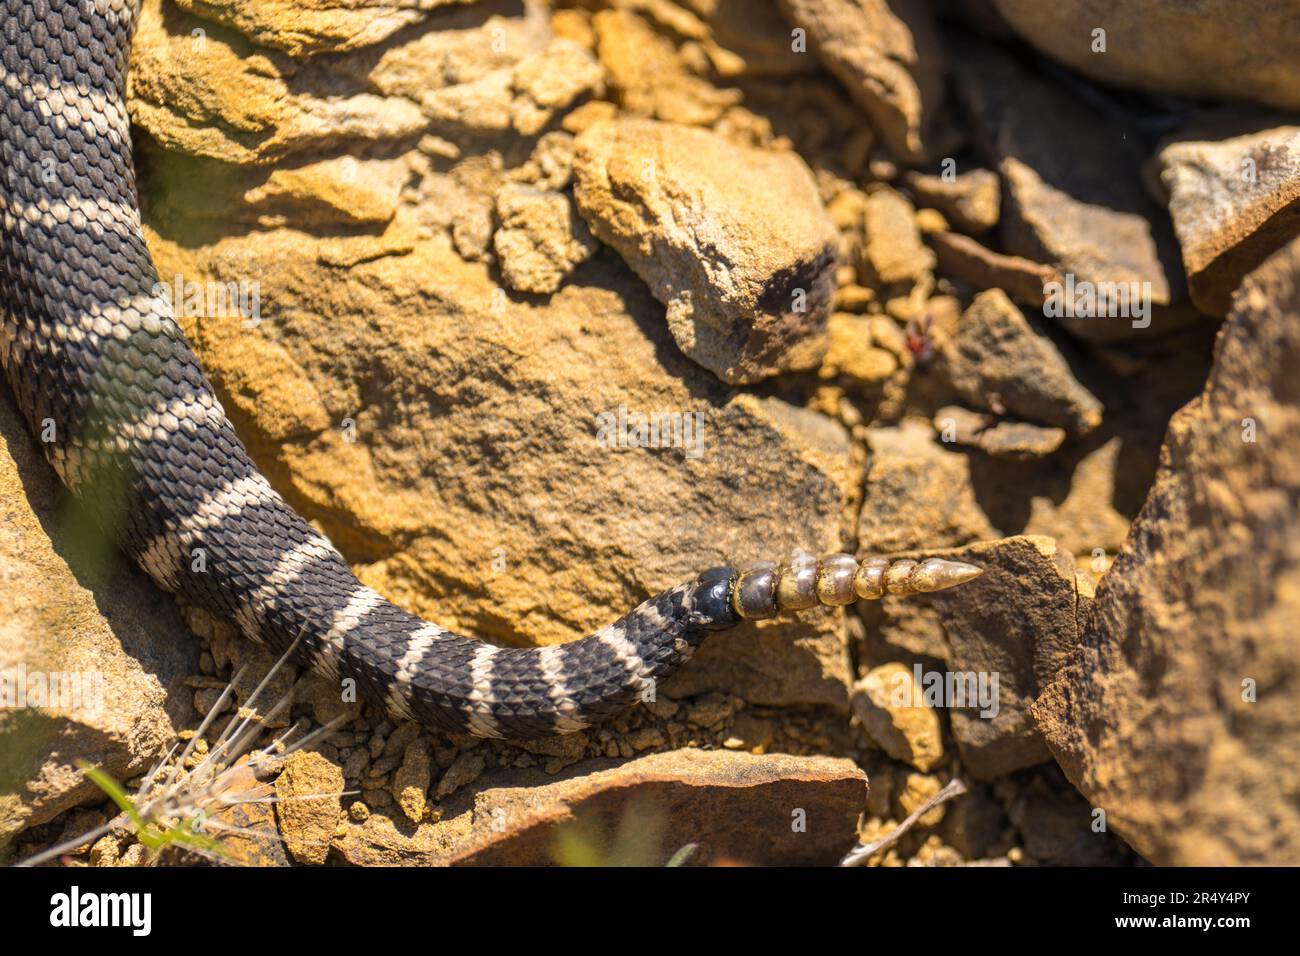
{"points": [[490, 464], [735, 807]]}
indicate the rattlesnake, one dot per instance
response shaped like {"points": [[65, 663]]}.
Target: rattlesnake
{"points": [[126, 416]]}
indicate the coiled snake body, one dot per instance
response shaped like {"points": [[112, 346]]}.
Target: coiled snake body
{"points": [[108, 383]]}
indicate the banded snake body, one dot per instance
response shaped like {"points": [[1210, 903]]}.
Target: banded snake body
{"points": [[104, 376]]}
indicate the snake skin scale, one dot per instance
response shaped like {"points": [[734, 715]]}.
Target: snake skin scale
{"points": [[107, 382]]}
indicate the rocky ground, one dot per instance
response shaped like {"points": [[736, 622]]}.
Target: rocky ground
{"points": [[822, 233]]}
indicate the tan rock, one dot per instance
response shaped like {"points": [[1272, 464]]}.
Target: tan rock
{"points": [[733, 240], [970, 201], [998, 361], [1176, 715], [464, 770], [1230, 50], [917, 788], [918, 494], [588, 115], [552, 83], [541, 240], [304, 29], [648, 77], [888, 55], [1234, 199], [411, 781], [933, 852], [893, 251], [853, 299], [518, 89], [550, 166], [105, 852], [895, 716], [499, 536], [307, 805], [92, 657], [338, 191], [235, 104], [476, 47], [931, 221], [460, 203], [852, 354]]}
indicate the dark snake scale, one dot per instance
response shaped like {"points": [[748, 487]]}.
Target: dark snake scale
{"points": [[110, 387]]}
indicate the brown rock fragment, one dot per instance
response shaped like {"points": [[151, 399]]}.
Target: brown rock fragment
{"points": [[996, 360], [999, 437], [464, 770], [963, 258], [736, 807], [888, 55], [895, 716], [918, 494], [411, 781], [970, 201], [733, 240], [307, 805], [542, 239], [304, 29], [1234, 195], [917, 788], [893, 251], [1014, 624], [1004, 635], [338, 191], [851, 352]]}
